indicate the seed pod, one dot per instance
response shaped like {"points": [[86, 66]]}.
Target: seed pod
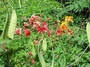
{"points": [[44, 46], [88, 32], [5, 30], [12, 26]]}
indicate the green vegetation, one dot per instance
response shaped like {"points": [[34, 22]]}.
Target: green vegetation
{"points": [[44, 33]]}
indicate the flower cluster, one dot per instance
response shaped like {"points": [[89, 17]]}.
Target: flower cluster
{"points": [[64, 26], [41, 26], [35, 22]]}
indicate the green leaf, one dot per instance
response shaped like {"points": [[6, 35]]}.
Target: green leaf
{"points": [[20, 3], [12, 26], [88, 32], [44, 46], [5, 30], [33, 50], [41, 59]]}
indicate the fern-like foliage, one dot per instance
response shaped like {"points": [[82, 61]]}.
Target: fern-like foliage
{"points": [[75, 6]]}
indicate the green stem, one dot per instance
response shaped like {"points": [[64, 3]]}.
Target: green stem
{"points": [[53, 58]]}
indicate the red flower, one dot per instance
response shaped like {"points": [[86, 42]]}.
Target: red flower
{"points": [[43, 29], [48, 18], [32, 19], [30, 53], [36, 24], [26, 24], [27, 32], [70, 31], [44, 24], [59, 32], [36, 42], [49, 33], [37, 18], [39, 29], [18, 31], [33, 61]]}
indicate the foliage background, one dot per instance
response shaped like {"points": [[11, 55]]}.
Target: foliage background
{"points": [[65, 52]]}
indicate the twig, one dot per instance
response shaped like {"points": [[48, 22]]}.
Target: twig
{"points": [[70, 65]]}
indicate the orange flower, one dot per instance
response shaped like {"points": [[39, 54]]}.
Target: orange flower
{"points": [[64, 25]]}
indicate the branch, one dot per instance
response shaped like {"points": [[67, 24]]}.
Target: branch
{"points": [[70, 65]]}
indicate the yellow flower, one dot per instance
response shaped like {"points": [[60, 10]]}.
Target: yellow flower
{"points": [[69, 18], [58, 21], [66, 17], [64, 25]]}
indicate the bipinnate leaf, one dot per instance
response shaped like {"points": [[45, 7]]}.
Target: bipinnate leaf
{"points": [[88, 32], [12, 26], [44, 45]]}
